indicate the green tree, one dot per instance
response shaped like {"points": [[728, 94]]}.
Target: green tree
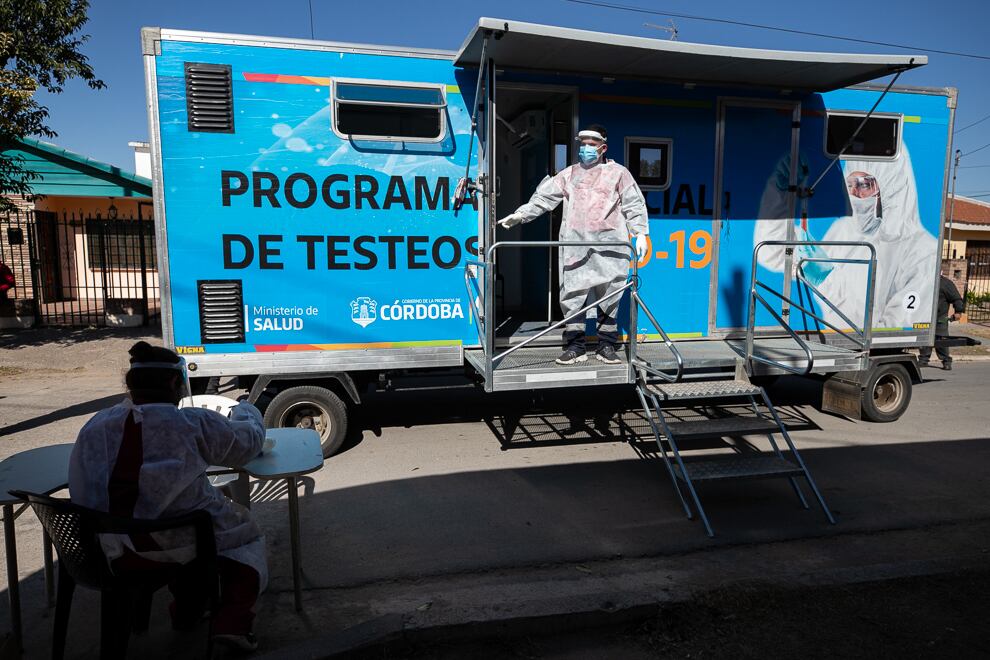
{"points": [[40, 44]]}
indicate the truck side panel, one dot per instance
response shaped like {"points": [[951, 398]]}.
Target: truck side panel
{"points": [[331, 245]]}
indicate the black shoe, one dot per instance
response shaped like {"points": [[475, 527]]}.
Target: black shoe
{"points": [[947, 366], [606, 353], [924, 363], [571, 356]]}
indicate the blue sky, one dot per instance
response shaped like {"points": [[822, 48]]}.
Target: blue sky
{"points": [[100, 123]]}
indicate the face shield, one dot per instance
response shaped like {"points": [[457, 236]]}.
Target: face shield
{"points": [[591, 149], [179, 366]]}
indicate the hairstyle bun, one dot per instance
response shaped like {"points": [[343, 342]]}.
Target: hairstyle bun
{"points": [[142, 351]]}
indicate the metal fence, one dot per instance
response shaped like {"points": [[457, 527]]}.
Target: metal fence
{"points": [[978, 284], [75, 270]]}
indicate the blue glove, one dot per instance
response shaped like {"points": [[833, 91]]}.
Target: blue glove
{"points": [[814, 271], [782, 172]]}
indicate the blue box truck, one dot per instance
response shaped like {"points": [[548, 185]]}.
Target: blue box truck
{"points": [[326, 211]]}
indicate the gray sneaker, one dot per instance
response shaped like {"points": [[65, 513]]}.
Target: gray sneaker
{"points": [[571, 356], [246, 642], [606, 353]]}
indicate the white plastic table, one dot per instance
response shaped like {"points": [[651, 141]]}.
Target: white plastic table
{"points": [[43, 470], [296, 452]]}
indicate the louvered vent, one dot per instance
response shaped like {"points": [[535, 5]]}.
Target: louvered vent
{"points": [[221, 311], [209, 98]]}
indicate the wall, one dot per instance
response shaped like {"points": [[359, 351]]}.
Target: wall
{"points": [[79, 281], [17, 257], [955, 270]]}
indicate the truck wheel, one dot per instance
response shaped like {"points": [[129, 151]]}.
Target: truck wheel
{"points": [[310, 407], [887, 393]]}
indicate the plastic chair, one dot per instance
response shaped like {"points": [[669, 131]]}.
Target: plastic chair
{"points": [[125, 593], [214, 402], [218, 404]]}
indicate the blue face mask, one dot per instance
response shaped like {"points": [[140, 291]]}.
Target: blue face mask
{"points": [[588, 154]]}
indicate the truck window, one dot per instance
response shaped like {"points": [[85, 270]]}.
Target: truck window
{"points": [[649, 161], [388, 111], [209, 98], [880, 137]]}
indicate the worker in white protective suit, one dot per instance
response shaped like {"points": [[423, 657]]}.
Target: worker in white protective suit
{"points": [[601, 203], [883, 203], [146, 458]]}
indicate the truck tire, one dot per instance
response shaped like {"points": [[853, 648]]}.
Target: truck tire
{"points": [[310, 407], [887, 393]]}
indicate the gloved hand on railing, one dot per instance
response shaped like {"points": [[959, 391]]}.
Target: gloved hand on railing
{"points": [[814, 271], [642, 246]]}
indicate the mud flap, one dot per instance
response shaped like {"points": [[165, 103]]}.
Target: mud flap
{"points": [[842, 396]]}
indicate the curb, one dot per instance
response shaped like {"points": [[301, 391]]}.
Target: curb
{"points": [[558, 599]]}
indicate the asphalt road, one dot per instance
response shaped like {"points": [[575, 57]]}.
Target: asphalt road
{"points": [[453, 481]]}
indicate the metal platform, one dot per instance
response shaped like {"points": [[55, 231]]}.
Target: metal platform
{"points": [[533, 367], [717, 353]]}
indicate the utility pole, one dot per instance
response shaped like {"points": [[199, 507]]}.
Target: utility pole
{"points": [[952, 204]]}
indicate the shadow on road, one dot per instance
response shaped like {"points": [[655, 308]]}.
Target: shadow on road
{"points": [[550, 418], [84, 408], [68, 337]]}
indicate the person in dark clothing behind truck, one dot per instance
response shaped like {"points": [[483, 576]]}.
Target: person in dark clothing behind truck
{"points": [[7, 281], [948, 294]]}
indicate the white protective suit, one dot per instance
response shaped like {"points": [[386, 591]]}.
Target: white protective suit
{"points": [[601, 203], [178, 445], [906, 251]]}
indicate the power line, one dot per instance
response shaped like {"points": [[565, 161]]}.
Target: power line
{"points": [[977, 149], [970, 167], [986, 195], [641, 10], [971, 125]]}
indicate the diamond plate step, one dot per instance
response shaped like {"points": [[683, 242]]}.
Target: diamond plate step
{"points": [[705, 389], [738, 467], [722, 426]]}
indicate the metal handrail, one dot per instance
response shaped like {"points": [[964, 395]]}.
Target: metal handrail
{"points": [[666, 340], [865, 333], [489, 344], [564, 321], [815, 316], [633, 284], [780, 365], [468, 276]]}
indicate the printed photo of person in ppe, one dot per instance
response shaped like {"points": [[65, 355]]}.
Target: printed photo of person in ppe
{"points": [[883, 211], [602, 202]]}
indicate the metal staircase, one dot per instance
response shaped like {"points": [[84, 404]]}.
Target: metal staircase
{"points": [[658, 369], [742, 461]]}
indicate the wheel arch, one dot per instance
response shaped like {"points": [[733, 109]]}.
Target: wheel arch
{"points": [[338, 382]]}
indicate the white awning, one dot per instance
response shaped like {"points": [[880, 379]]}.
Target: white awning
{"points": [[533, 47]]}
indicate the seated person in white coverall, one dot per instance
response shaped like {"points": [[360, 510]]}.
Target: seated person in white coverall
{"points": [[147, 458], [601, 203]]}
